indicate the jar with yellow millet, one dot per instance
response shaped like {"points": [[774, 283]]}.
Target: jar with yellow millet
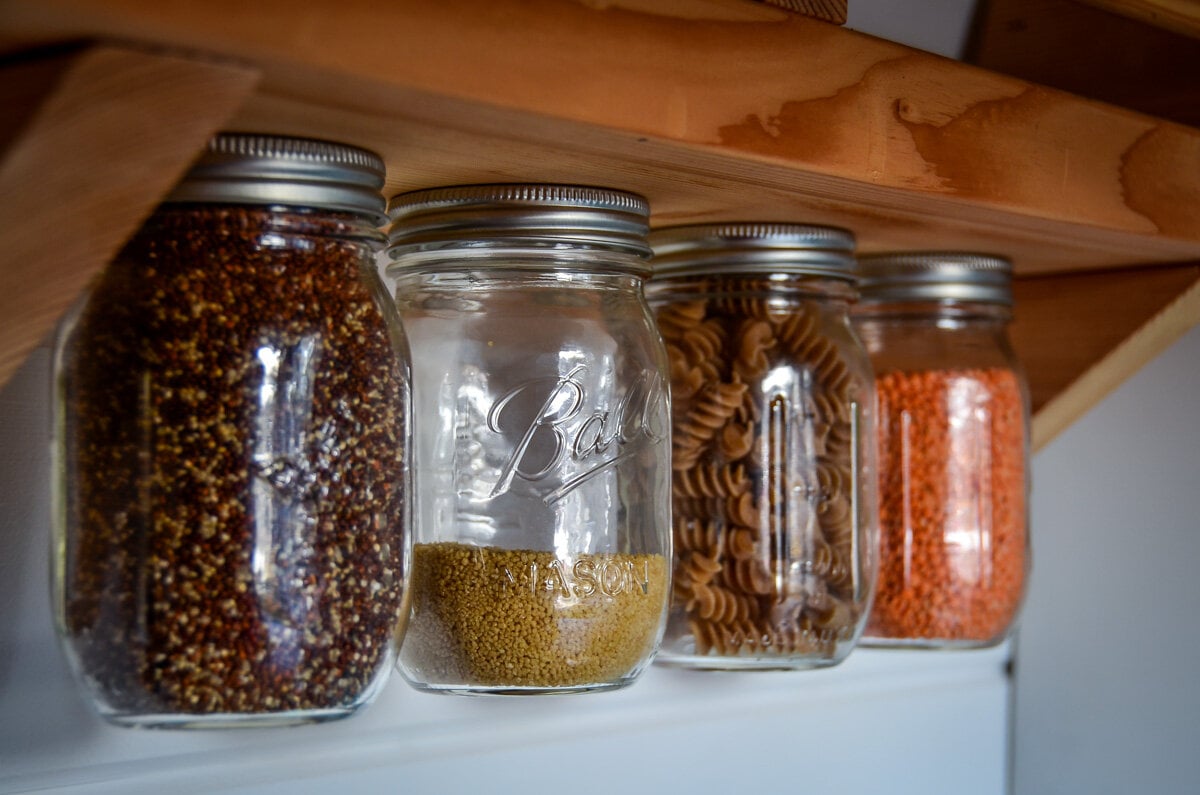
{"points": [[953, 419], [542, 533]]}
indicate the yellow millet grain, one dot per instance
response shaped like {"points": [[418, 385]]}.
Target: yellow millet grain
{"points": [[484, 616]]}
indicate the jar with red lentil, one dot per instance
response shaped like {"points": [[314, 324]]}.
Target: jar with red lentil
{"points": [[232, 449], [542, 460], [953, 442], [772, 445]]}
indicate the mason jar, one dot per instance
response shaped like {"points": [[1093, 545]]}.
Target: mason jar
{"points": [[953, 441], [772, 445], [542, 531], [231, 449]]}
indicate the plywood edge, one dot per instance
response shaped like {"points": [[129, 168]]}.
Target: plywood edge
{"points": [[1155, 336], [92, 157], [827, 10]]}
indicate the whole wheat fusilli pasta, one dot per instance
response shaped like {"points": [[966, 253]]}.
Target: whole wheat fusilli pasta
{"points": [[763, 476]]}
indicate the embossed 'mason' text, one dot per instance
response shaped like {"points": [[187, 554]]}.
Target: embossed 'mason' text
{"points": [[588, 576]]}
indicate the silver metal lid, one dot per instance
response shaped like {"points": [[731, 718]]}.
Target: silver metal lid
{"points": [[935, 276], [801, 249], [520, 215], [245, 168]]}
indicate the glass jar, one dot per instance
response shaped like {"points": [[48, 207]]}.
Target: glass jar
{"points": [[542, 530], [773, 474], [953, 442], [231, 452]]}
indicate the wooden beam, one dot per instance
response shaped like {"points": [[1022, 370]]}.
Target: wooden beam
{"points": [[714, 110], [1080, 47], [1066, 323], [780, 118], [1152, 338], [107, 136], [1181, 16]]}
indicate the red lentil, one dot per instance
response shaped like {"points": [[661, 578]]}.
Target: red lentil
{"points": [[953, 550]]}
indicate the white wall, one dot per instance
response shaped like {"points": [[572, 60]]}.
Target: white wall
{"points": [[939, 26], [900, 722], [1106, 698], [1108, 656]]}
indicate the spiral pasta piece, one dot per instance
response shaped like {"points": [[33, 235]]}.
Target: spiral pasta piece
{"points": [[674, 320], [763, 482], [709, 414], [831, 564], [741, 510], [834, 479], [747, 575], [721, 605], [736, 440], [705, 509], [697, 569], [755, 340], [686, 379], [741, 544], [696, 535], [704, 342], [744, 298], [710, 480]]}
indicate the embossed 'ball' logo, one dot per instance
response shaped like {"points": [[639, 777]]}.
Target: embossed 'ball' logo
{"points": [[549, 421]]}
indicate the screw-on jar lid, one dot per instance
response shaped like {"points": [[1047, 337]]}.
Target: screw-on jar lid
{"points": [[246, 168], [935, 276], [520, 215], [801, 249]]}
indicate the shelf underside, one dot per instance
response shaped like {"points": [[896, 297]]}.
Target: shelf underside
{"points": [[713, 110]]}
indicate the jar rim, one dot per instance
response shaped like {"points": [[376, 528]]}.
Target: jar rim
{"points": [[521, 254], [270, 170], [920, 276], [519, 215], [740, 247]]}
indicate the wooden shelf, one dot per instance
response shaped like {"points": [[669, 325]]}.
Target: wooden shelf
{"points": [[1182, 16], [714, 109]]}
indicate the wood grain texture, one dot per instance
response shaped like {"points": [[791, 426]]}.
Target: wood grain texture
{"points": [[1181, 16], [1079, 47], [111, 133], [1065, 324], [712, 109], [779, 117], [828, 10], [1151, 339]]}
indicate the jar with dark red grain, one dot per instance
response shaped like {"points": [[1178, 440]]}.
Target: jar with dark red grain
{"points": [[232, 403], [953, 445], [772, 445]]}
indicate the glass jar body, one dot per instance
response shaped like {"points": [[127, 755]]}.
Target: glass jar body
{"points": [[953, 446], [773, 473], [542, 531], [231, 471]]}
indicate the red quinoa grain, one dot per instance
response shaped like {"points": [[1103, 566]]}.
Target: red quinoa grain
{"points": [[233, 414]]}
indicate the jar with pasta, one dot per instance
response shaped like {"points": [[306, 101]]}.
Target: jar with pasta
{"points": [[772, 445], [542, 464], [953, 446]]}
